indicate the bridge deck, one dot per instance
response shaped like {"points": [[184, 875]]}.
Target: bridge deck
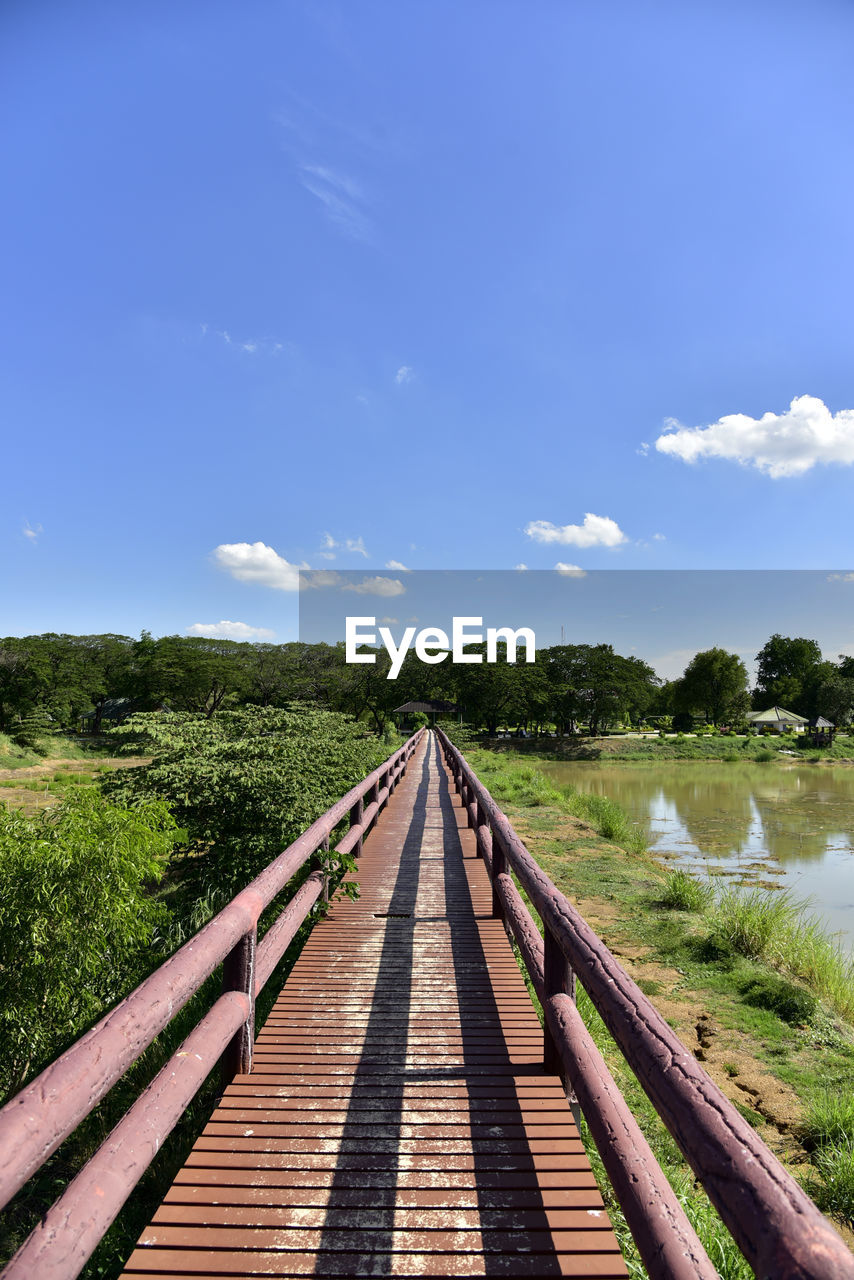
{"points": [[397, 1120]]}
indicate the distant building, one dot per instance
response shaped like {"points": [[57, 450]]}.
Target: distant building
{"points": [[822, 731], [777, 719]]}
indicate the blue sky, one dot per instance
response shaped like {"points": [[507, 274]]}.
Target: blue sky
{"points": [[442, 285]]}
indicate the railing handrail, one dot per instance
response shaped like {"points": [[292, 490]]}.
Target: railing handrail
{"points": [[772, 1220], [39, 1118]]}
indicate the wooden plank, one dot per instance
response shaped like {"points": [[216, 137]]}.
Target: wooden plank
{"points": [[397, 1120]]}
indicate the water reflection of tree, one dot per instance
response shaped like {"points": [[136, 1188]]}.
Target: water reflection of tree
{"points": [[737, 809]]}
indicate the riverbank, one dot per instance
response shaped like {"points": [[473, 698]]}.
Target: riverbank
{"points": [[775, 1048], [717, 746]]}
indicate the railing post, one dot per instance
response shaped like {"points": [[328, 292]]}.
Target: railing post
{"points": [[481, 822], [499, 867], [356, 814], [558, 979], [324, 848], [238, 974]]}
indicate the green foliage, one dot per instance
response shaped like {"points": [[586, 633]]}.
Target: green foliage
{"points": [[609, 819], [462, 736], [512, 782], [418, 720], [833, 1189], [774, 927], [391, 737], [789, 674], [243, 784], [714, 682], [684, 892], [31, 731], [76, 919], [792, 1003], [829, 1120]]}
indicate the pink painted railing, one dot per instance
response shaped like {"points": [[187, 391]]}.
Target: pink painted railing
{"points": [[45, 1112], [774, 1223]]}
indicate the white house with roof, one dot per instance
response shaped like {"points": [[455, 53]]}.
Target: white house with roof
{"points": [[778, 720]]}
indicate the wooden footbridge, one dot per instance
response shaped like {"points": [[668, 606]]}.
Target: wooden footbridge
{"points": [[401, 1112]]}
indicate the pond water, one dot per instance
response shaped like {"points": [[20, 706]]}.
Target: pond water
{"points": [[788, 825]]}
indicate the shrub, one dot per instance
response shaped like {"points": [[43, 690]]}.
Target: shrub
{"points": [[76, 919], [243, 783]]}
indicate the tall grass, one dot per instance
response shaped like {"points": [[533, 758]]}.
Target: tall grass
{"points": [[829, 1119], [525, 786], [774, 927], [834, 1193], [612, 822], [684, 892]]}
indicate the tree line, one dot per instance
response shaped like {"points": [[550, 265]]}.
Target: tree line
{"points": [[52, 680]]}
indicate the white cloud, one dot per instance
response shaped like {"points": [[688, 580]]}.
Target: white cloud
{"points": [[229, 631], [388, 621], [376, 587], [521, 568], [643, 450], [395, 564], [258, 563], [840, 577], [329, 546], [597, 531], [404, 374], [659, 537], [321, 578], [30, 532], [570, 570], [250, 346], [342, 199], [779, 444]]}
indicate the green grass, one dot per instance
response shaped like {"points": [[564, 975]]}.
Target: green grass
{"points": [[516, 783], [829, 1119], [684, 892], [52, 747], [731, 748], [774, 927], [833, 1188]]}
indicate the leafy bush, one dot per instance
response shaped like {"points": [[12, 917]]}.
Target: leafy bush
{"points": [[30, 732], [76, 919], [462, 736], [243, 784]]}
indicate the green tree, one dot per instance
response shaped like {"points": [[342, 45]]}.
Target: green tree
{"points": [[714, 682], [592, 683], [242, 783], [76, 919], [787, 669], [835, 698]]}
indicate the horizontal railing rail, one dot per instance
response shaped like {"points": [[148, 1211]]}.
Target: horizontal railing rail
{"points": [[39, 1118], [774, 1223]]}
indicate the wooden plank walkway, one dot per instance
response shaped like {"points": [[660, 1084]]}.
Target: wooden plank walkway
{"points": [[397, 1120]]}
